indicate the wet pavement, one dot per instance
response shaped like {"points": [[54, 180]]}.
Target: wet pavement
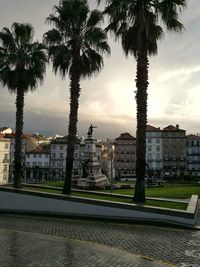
{"points": [[41, 241]]}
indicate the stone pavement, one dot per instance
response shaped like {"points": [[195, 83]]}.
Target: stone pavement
{"points": [[68, 242]]}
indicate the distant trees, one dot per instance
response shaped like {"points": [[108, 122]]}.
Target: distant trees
{"points": [[22, 68], [76, 45], [138, 23]]}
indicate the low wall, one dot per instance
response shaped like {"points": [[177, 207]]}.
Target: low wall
{"points": [[18, 200]]}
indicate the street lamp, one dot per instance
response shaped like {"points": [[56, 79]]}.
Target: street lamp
{"points": [[111, 166]]}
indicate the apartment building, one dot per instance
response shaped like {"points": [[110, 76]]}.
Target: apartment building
{"points": [[58, 153], [174, 151], [193, 154], [37, 163], [125, 156], [4, 159], [154, 152], [28, 144]]}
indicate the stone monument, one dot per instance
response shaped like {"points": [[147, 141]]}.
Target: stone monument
{"points": [[92, 177]]}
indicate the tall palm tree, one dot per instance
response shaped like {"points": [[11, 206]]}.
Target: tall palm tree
{"points": [[138, 24], [22, 67], [76, 45]]}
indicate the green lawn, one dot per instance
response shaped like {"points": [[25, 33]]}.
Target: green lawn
{"points": [[168, 191], [164, 204]]}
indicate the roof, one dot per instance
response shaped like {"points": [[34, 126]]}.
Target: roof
{"points": [[150, 128], [125, 136], [193, 137], [172, 128], [2, 138], [38, 151], [12, 135], [3, 128]]}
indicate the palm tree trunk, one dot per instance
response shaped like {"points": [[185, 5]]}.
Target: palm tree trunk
{"points": [[72, 129], [18, 138], [141, 98]]}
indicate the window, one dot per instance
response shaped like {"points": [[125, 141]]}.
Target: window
{"points": [[54, 147], [157, 141], [34, 155], [4, 177], [61, 147], [40, 164], [6, 146], [5, 156], [28, 156], [157, 148], [5, 168], [46, 155], [40, 155], [149, 140], [149, 148], [34, 164], [53, 155], [61, 155], [46, 164], [27, 164]]}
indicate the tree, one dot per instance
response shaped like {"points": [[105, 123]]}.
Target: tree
{"points": [[138, 24], [22, 67], [76, 45]]}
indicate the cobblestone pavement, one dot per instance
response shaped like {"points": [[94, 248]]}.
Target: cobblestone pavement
{"points": [[20, 249], [176, 246]]}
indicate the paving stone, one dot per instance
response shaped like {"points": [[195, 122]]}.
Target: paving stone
{"points": [[176, 246]]}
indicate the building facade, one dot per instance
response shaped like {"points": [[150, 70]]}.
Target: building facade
{"points": [[154, 152], [193, 154], [58, 153], [4, 159], [37, 163], [125, 156], [174, 152]]}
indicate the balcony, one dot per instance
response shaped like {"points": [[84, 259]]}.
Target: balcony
{"points": [[5, 160]]}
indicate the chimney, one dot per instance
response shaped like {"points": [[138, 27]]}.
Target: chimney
{"points": [[177, 126]]}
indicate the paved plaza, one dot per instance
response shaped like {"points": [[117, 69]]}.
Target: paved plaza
{"points": [[42, 241]]}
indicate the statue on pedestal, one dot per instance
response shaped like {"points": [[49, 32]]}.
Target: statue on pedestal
{"points": [[90, 130]]}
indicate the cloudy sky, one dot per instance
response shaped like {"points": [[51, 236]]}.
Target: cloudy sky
{"points": [[107, 100]]}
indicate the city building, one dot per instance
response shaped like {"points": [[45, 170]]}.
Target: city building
{"points": [[28, 144], [174, 152], [4, 159], [37, 163], [58, 153], [154, 152], [5, 130], [125, 156], [193, 154]]}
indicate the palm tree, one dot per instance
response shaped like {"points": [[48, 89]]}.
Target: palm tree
{"points": [[76, 45], [22, 67], [138, 24]]}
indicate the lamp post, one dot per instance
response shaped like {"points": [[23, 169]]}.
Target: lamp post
{"points": [[111, 166]]}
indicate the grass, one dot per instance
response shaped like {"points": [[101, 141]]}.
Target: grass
{"points": [[168, 191], [163, 204]]}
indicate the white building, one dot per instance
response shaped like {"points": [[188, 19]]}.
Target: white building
{"points": [[37, 163], [4, 159], [58, 153], [5, 130], [28, 144], [154, 152]]}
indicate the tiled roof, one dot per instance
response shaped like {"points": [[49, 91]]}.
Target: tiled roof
{"points": [[192, 137], [172, 128], [152, 128], [125, 136], [12, 135], [38, 151]]}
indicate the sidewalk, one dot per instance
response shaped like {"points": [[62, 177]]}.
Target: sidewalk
{"points": [[19, 249]]}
